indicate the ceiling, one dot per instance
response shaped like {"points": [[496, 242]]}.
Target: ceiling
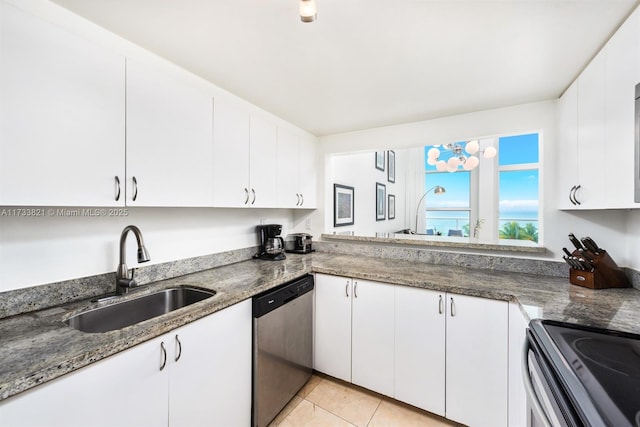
{"points": [[370, 63]]}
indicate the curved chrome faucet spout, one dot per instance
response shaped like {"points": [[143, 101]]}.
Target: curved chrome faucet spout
{"points": [[124, 280]]}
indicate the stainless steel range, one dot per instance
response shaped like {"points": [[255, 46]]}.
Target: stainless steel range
{"points": [[581, 376]]}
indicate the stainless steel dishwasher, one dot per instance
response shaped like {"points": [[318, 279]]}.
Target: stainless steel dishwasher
{"points": [[282, 346]]}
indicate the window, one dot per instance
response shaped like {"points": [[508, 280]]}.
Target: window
{"points": [[518, 187], [495, 202], [447, 214]]}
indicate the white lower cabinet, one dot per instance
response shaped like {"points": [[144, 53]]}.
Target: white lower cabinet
{"points": [[445, 353], [208, 384], [420, 348], [477, 367], [372, 336], [354, 331]]}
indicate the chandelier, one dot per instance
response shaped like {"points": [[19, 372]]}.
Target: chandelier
{"points": [[459, 159]]}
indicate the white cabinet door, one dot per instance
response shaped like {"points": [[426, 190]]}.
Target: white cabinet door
{"points": [[622, 73], [332, 346], [308, 172], [567, 148], [591, 135], [231, 142], [263, 157], [517, 395], [125, 389], [62, 118], [169, 140], [476, 371], [419, 362], [372, 336], [288, 169], [210, 382]]}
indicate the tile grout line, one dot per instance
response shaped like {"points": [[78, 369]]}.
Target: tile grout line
{"points": [[374, 412]]}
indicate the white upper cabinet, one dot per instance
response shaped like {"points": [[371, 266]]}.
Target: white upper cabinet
{"points": [[296, 170], [262, 162], [62, 116], [231, 133], [596, 127], [244, 157], [622, 74], [169, 139], [567, 148]]}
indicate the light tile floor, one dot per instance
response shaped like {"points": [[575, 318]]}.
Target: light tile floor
{"points": [[328, 402]]}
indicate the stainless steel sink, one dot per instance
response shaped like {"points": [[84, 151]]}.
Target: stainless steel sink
{"points": [[130, 312]]}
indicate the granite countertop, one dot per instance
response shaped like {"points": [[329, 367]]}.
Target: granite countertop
{"points": [[38, 346]]}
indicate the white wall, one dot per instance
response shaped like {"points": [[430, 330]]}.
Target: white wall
{"points": [[47, 249], [609, 228], [358, 171]]}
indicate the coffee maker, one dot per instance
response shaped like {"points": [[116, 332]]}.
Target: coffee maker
{"points": [[271, 244]]}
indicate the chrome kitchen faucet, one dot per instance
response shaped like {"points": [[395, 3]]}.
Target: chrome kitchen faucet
{"points": [[124, 280]]}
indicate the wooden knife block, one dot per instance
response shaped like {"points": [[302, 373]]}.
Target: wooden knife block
{"points": [[607, 274]]}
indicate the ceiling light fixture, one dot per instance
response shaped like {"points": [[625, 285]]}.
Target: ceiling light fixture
{"points": [[308, 10], [459, 159]]}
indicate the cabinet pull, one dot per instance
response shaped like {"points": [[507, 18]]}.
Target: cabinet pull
{"points": [[117, 188], [179, 348], [355, 290], [246, 193], [571, 195], [575, 194], [453, 307], [298, 202], [254, 196], [302, 198], [440, 305], [164, 356], [346, 289], [135, 189]]}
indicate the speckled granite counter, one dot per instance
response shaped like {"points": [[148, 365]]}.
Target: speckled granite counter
{"points": [[38, 346]]}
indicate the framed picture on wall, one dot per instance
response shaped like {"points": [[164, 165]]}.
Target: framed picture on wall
{"points": [[391, 206], [343, 198], [381, 201], [391, 166], [380, 160]]}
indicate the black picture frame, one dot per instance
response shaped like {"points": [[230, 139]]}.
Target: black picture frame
{"points": [[391, 166], [379, 160], [343, 205], [391, 206], [381, 201]]}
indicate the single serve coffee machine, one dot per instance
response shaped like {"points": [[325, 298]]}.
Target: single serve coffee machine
{"points": [[271, 244]]}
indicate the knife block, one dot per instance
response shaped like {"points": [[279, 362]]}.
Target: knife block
{"points": [[606, 274]]}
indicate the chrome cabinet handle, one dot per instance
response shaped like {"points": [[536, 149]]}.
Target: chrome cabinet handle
{"points": [[573, 197], [246, 193], [440, 305], [117, 188], [302, 197], [298, 202], [135, 189], [179, 348], [164, 356], [355, 290], [254, 196], [453, 307], [346, 289], [573, 189]]}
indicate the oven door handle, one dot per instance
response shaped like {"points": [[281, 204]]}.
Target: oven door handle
{"points": [[528, 385]]}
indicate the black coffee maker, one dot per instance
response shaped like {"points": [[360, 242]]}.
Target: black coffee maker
{"points": [[271, 244]]}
